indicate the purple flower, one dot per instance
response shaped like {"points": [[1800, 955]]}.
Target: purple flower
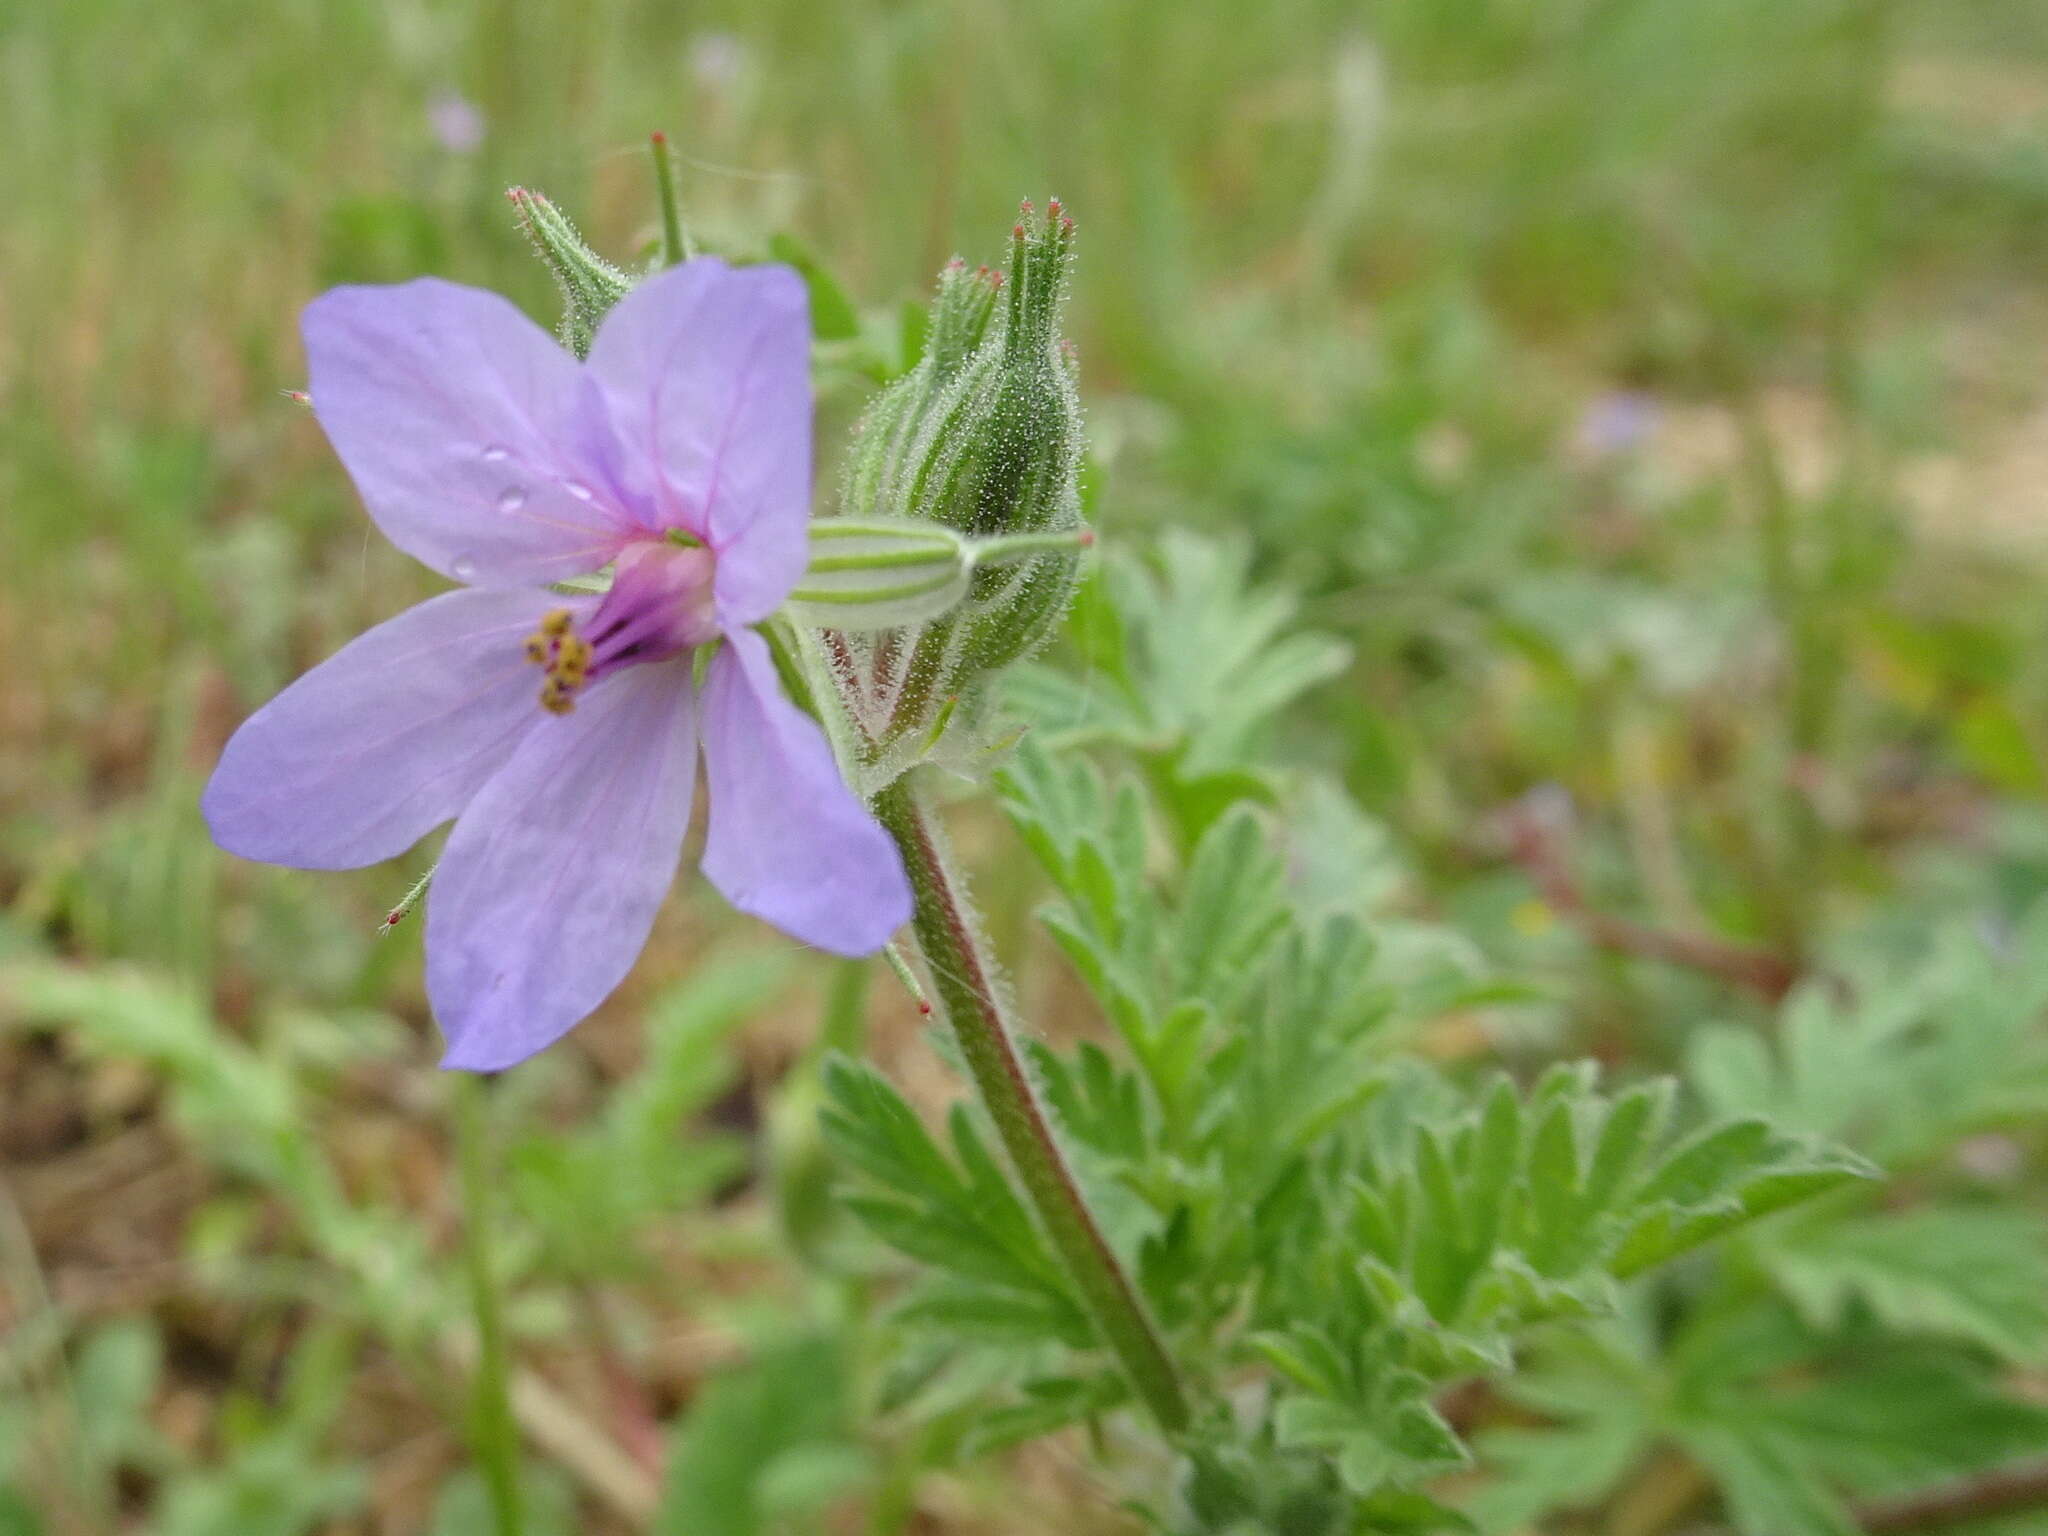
{"points": [[562, 733], [456, 121], [718, 59], [1615, 423]]}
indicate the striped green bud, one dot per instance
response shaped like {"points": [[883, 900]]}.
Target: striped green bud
{"points": [[872, 573]]}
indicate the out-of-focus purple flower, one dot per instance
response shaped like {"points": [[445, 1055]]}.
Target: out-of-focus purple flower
{"points": [[457, 122], [562, 732], [1615, 422], [717, 60]]}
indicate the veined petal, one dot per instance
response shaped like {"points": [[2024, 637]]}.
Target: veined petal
{"points": [[552, 877], [788, 841], [461, 422], [385, 740], [705, 370]]}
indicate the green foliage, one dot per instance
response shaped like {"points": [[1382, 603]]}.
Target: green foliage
{"points": [[1977, 1276], [957, 1214], [1295, 1194], [594, 1192], [585, 1205], [275, 1479], [1858, 1346], [1634, 396], [766, 1447], [1185, 665], [547, 1506], [1782, 1418], [1921, 1053]]}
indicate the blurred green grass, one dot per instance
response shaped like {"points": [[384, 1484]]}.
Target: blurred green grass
{"points": [[1352, 276]]}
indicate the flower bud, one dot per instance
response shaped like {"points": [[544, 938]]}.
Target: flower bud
{"points": [[983, 437], [590, 285], [888, 433]]}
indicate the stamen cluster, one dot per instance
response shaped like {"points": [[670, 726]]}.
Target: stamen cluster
{"points": [[563, 655]]}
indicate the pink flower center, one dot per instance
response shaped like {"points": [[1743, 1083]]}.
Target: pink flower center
{"points": [[660, 605]]}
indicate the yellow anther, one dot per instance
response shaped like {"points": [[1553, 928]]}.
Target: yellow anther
{"points": [[565, 655]]}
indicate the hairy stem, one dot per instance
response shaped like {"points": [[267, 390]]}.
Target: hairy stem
{"points": [[493, 1431], [946, 933]]}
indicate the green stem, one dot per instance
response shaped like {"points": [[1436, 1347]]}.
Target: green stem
{"points": [[844, 1025], [675, 246], [494, 1435], [945, 929]]}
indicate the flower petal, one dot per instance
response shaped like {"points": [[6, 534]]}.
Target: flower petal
{"points": [[552, 877], [385, 740], [788, 841], [706, 372], [462, 424]]}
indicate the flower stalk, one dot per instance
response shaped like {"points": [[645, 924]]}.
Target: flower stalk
{"points": [[494, 1434], [966, 992], [675, 244]]}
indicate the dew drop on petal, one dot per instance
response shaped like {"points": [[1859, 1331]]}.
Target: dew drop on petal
{"points": [[495, 453], [512, 499], [579, 490], [463, 568]]}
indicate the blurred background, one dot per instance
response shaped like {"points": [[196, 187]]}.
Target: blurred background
{"points": [[1645, 400]]}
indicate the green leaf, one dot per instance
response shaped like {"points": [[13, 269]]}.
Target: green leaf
{"points": [[1926, 1045], [1229, 906], [1194, 666], [1533, 1473], [1980, 1276], [730, 1468], [1404, 1512], [547, 1505], [1768, 1488], [1724, 1177], [1397, 1438], [1306, 1361], [1049, 1404], [937, 1235], [114, 1379], [966, 1220], [832, 314], [1556, 1216], [1024, 1317], [869, 1124], [1904, 1418]]}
